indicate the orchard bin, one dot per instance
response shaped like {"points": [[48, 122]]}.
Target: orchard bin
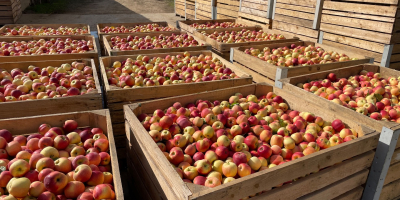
{"points": [[101, 26], [116, 97], [223, 49], [385, 177], [54, 26], [339, 171], [112, 52], [188, 24], [93, 54], [90, 101], [94, 119], [262, 71]]}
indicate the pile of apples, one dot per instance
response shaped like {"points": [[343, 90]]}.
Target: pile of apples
{"points": [[213, 143], [45, 47], [69, 79], [137, 28], [211, 25], [367, 93], [183, 68], [155, 42], [27, 30], [297, 55], [56, 163], [244, 35]]}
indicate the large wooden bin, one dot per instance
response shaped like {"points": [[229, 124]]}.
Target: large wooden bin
{"points": [[111, 52], [185, 25], [263, 71], [224, 49], [55, 26], [392, 179], [95, 118], [116, 97], [91, 101], [90, 54], [343, 168]]}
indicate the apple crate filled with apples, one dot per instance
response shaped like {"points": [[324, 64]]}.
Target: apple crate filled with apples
{"points": [[223, 40], [48, 87], [369, 94], [249, 141], [271, 62], [13, 30], [38, 48], [59, 156], [128, 28], [146, 43], [129, 79], [192, 26]]}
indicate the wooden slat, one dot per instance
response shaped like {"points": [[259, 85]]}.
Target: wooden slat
{"points": [[393, 2], [262, 7], [227, 12], [311, 183], [396, 155], [389, 11], [358, 23], [263, 2], [255, 12], [351, 195], [297, 14], [360, 16], [307, 3], [229, 2], [257, 77], [229, 7], [253, 17], [295, 7], [390, 191], [340, 187], [376, 47], [295, 29], [358, 33], [294, 20]]}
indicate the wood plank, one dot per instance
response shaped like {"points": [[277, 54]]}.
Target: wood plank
{"points": [[295, 7], [390, 191], [376, 56], [358, 23], [262, 7], [227, 12], [396, 156], [255, 12], [228, 7], [257, 77], [360, 16], [393, 2], [301, 37], [376, 47], [393, 173], [351, 195], [295, 29], [229, 2], [253, 17], [294, 20], [340, 187], [308, 3], [221, 16], [311, 183], [357, 33], [297, 14], [263, 2], [388, 11]]}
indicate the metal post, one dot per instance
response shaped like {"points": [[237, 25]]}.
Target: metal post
{"points": [[281, 73], [320, 37], [317, 15], [380, 165], [195, 9], [213, 9], [273, 10], [231, 55], [386, 55], [240, 6], [270, 11]]}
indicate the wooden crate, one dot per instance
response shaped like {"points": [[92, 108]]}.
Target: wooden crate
{"points": [[190, 9], [90, 55], [338, 177], [256, 10], [204, 9], [263, 71], [10, 11], [392, 179], [55, 26], [111, 52], [223, 49], [370, 27], [227, 9], [95, 118], [116, 97], [91, 101], [185, 25], [298, 17], [180, 8], [103, 25]]}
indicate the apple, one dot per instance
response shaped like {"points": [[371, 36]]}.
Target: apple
{"points": [[73, 189], [18, 187], [19, 168]]}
